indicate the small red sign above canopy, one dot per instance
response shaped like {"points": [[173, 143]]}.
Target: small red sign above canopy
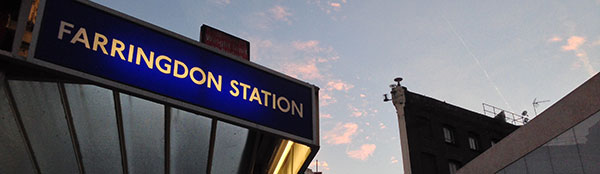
{"points": [[225, 42]]}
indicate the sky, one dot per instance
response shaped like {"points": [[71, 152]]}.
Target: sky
{"points": [[465, 52]]}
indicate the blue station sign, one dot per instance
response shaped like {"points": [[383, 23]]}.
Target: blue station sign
{"points": [[90, 40]]}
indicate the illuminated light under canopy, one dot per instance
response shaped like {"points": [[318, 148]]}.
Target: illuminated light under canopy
{"points": [[289, 158]]}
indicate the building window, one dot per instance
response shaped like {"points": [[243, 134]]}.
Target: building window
{"points": [[453, 167], [448, 135], [473, 143]]}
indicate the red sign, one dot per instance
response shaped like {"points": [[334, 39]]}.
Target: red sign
{"points": [[225, 42]]}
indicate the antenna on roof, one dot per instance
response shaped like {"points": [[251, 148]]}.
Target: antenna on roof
{"points": [[536, 104]]}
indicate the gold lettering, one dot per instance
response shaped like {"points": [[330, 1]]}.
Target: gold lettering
{"points": [[211, 78], [97, 42], [149, 60], [287, 104], [199, 82], [245, 89], [295, 107], [267, 94], [166, 65], [176, 71], [81, 36], [255, 96], [114, 49], [233, 84]]}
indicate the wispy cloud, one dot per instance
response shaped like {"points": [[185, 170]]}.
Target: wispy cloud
{"points": [[328, 6], [311, 45], [476, 59], [555, 39], [266, 20], [357, 112], [363, 153], [573, 43], [326, 116], [341, 134], [381, 126], [339, 85], [596, 43], [280, 13], [304, 70], [393, 160], [326, 99]]}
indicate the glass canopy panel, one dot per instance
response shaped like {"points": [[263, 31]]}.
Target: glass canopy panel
{"points": [[230, 143], [41, 109], [143, 126], [190, 139], [93, 112], [13, 150]]}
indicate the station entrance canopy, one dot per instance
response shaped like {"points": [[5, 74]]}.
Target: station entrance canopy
{"points": [[99, 43], [98, 46]]}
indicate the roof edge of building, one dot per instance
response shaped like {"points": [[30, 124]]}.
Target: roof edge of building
{"points": [[579, 104]]}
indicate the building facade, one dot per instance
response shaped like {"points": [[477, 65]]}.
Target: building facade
{"points": [[565, 138], [437, 137], [86, 89]]}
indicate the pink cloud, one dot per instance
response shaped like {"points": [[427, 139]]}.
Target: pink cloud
{"points": [[280, 13], [306, 46], [323, 165], [326, 116], [341, 134], [306, 71], [339, 85], [555, 39], [363, 95], [393, 160], [328, 6], [357, 112], [597, 42], [363, 153], [381, 126], [584, 61], [325, 99], [573, 43]]}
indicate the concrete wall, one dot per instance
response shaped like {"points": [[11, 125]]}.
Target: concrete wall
{"points": [[564, 114]]}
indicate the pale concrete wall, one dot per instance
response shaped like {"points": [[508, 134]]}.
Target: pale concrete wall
{"points": [[564, 114]]}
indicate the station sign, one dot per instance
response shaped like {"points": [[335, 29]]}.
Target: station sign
{"points": [[93, 41]]}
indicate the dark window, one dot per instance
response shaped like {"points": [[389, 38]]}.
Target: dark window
{"points": [[448, 135], [473, 142], [453, 166]]}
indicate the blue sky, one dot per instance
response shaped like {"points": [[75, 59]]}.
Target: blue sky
{"points": [[504, 53]]}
